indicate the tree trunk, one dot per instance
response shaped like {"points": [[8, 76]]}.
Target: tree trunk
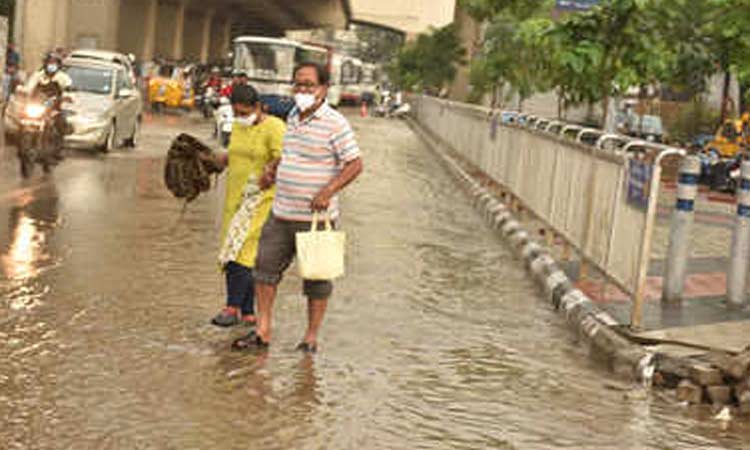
{"points": [[725, 96]]}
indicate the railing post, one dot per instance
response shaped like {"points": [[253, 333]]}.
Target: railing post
{"points": [[737, 276], [636, 315], [680, 230]]}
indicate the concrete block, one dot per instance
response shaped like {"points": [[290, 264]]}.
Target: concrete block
{"points": [[744, 403], [706, 375], [719, 395], [739, 366], [510, 227], [519, 239], [687, 391], [530, 250], [741, 387], [502, 218]]}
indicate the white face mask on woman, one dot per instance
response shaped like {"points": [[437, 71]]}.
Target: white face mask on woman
{"points": [[305, 101], [246, 121]]}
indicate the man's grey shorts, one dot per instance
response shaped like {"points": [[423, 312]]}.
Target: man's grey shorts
{"points": [[276, 250]]}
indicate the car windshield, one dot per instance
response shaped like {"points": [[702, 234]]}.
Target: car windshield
{"points": [[90, 79]]}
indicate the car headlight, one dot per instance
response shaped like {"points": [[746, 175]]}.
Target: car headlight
{"points": [[34, 111]]}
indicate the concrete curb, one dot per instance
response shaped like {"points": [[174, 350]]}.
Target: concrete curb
{"points": [[594, 326]]}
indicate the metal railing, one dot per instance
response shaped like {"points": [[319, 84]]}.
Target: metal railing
{"points": [[573, 179]]}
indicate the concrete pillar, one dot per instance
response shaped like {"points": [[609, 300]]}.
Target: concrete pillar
{"points": [[62, 19], [208, 19], [179, 30], [149, 30], [226, 42]]}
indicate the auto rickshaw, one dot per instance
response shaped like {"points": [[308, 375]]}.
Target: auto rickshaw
{"points": [[166, 92], [730, 137]]}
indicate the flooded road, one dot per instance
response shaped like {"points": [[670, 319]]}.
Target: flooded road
{"points": [[435, 339]]}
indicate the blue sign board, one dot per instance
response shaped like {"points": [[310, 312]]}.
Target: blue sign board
{"points": [[576, 5], [639, 182]]}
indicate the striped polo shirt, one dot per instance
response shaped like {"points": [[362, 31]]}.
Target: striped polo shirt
{"points": [[314, 152]]}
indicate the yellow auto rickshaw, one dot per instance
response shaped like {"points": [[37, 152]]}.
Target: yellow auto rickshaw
{"points": [[170, 93], [731, 136]]}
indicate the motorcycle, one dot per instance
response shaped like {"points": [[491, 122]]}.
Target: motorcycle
{"points": [[211, 102], [223, 120], [40, 142]]}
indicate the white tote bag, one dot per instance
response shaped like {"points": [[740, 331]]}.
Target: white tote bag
{"points": [[320, 254]]}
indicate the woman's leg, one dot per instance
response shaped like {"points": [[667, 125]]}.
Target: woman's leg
{"points": [[239, 281], [248, 305]]}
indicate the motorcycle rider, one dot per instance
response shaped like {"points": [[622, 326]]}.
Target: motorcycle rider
{"points": [[214, 79], [239, 77], [52, 82]]}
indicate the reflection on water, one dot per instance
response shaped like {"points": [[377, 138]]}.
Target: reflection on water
{"points": [[435, 339]]}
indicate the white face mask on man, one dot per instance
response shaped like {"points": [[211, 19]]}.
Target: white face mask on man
{"points": [[246, 121], [305, 101]]}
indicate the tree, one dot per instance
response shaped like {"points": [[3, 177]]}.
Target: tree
{"points": [[377, 45], [430, 61], [513, 47]]}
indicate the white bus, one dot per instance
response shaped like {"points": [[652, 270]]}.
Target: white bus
{"points": [[270, 62]]}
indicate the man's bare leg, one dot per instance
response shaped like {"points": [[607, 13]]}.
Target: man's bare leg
{"points": [[265, 295], [316, 310]]}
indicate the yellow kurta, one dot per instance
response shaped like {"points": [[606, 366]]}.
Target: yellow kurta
{"points": [[250, 149]]}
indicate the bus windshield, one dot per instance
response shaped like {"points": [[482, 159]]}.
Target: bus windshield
{"points": [[311, 54], [265, 61]]}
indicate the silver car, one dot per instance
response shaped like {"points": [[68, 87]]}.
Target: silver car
{"points": [[105, 107]]}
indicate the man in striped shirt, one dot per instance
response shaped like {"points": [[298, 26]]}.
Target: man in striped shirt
{"points": [[319, 158]]}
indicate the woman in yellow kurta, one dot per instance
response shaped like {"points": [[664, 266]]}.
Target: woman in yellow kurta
{"points": [[256, 141]]}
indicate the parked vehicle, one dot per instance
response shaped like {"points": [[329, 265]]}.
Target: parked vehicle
{"points": [[647, 127]]}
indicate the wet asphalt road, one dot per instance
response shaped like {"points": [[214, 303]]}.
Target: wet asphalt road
{"points": [[435, 339]]}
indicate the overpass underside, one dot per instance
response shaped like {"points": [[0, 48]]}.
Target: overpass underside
{"points": [[199, 30]]}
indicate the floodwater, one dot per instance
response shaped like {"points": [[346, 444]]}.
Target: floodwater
{"points": [[435, 339]]}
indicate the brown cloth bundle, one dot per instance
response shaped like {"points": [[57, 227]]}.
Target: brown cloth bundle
{"points": [[190, 164]]}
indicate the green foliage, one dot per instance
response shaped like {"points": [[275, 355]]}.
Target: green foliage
{"points": [[430, 61], [619, 44], [377, 45]]}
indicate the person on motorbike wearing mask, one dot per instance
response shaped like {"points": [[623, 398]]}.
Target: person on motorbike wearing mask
{"points": [[50, 81]]}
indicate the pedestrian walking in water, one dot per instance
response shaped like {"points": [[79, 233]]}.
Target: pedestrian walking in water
{"points": [[320, 157], [255, 142]]}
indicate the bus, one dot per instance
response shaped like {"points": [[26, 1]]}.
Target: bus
{"points": [[351, 77], [370, 81], [269, 64]]}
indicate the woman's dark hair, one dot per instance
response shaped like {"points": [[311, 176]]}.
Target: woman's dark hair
{"points": [[244, 94], [323, 76]]}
